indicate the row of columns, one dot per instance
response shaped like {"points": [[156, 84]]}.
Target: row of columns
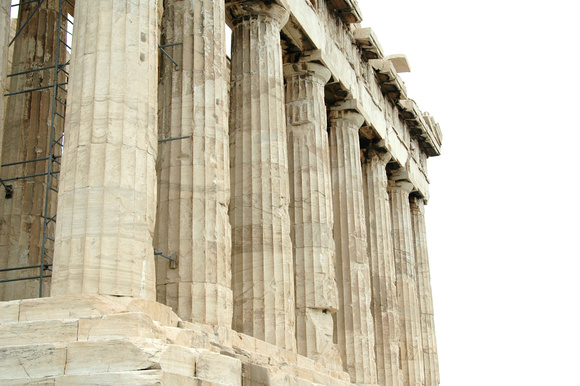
{"points": [[325, 259]]}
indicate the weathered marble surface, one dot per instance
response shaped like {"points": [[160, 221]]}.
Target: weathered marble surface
{"points": [[137, 341], [262, 264], [354, 325], [428, 339], [26, 136], [411, 359], [384, 304], [4, 53], [311, 212], [107, 195], [194, 172]]}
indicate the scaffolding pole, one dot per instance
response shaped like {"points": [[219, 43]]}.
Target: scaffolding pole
{"points": [[55, 144]]}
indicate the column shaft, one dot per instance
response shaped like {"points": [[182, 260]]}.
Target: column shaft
{"points": [[353, 321], [107, 199], [193, 173], [262, 264], [409, 312], [311, 211], [4, 41], [26, 137], [429, 342], [384, 303]]}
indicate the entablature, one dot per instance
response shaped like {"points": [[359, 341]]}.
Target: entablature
{"points": [[371, 86], [389, 80], [368, 42], [429, 136], [347, 10]]}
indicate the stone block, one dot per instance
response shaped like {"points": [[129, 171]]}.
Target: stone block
{"points": [[245, 342], [126, 325], [146, 377], [69, 307], [400, 62], [201, 336], [158, 312], [29, 382], [113, 356], [342, 375], [73, 307], [255, 375], [303, 373], [305, 363], [219, 368], [32, 361], [38, 332], [288, 380], [180, 337], [266, 349], [225, 335], [179, 360], [288, 356], [9, 311]]}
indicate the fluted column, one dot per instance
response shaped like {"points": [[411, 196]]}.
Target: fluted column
{"points": [[4, 40], [353, 321], [193, 172], [384, 303], [311, 211], [409, 312], [26, 137], [262, 264], [106, 212], [430, 358]]}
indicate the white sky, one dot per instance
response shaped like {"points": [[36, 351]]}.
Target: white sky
{"points": [[503, 80]]}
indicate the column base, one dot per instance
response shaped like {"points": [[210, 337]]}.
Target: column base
{"points": [[96, 339]]}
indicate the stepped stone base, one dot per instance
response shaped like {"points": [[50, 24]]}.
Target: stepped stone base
{"points": [[106, 340]]}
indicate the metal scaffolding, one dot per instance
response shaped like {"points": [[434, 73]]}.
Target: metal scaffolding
{"points": [[58, 102], [52, 161]]}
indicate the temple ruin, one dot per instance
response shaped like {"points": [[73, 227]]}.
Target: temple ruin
{"points": [[173, 213]]}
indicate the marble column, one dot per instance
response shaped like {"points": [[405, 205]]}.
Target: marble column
{"points": [[194, 172], [409, 311], [311, 211], [354, 324], [26, 137], [430, 358], [262, 264], [4, 41], [107, 197], [384, 302]]}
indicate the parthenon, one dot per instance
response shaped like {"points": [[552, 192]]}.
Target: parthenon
{"points": [[176, 213]]}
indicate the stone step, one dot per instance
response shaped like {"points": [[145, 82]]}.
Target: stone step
{"points": [[84, 359], [146, 377], [124, 325]]}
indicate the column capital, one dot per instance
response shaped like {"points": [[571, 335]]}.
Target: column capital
{"points": [[354, 118], [238, 10], [314, 70], [399, 181], [379, 155], [417, 205]]}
